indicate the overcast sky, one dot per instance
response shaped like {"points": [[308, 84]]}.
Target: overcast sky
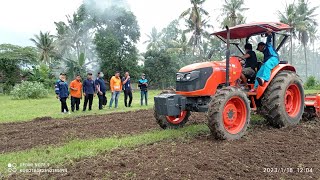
{"points": [[21, 19]]}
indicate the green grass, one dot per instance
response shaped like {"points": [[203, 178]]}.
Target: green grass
{"points": [[310, 91], [78, 149], [26, 110]]}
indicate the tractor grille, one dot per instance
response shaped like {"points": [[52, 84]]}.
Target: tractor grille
{"points": [[195, 84]]}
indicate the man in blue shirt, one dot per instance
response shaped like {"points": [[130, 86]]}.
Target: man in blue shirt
{"points": [[101, 90], [127, 89], [270, 60], [143, 85], [62, 92], [88, 91]]}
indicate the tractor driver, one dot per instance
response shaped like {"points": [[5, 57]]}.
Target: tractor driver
{"points": [[270, 60], [250, 64]]}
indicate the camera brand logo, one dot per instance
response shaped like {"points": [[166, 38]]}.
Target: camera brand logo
{"points": [[12, 167]]}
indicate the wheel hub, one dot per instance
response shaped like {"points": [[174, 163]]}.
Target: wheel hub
{"points": [[289, 101], [177, 119], [292, 100], [230, 115]]}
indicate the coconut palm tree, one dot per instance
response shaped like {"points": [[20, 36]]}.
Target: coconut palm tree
{"points": [[154, 40], [290, 17], [306, 19], [313, 37], [180, 46], [196, 19], [232, 11], [44, 43]]}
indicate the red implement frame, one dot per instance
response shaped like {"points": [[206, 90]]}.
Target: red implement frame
{"points": [[313, 101]]}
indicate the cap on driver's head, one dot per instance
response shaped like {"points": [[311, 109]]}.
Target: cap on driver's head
{"points": [[261, 44]]}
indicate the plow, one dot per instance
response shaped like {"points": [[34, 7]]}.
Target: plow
{"points": [[214, 88]]}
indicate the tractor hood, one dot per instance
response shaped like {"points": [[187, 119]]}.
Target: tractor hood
{"points": [[213, 64], [202, 79], [196, 66]]}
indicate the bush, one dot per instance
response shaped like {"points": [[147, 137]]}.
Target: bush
{"points": [[311, 82], [29, 90]]}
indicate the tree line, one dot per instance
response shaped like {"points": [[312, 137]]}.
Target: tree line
{"points": [[104, 39]]}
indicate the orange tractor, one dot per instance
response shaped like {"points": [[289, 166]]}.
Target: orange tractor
{"points": [[213, 87]]}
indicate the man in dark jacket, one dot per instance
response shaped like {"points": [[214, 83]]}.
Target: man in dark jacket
{"points": [[88, 91], [143, 85], [250, 64], [62, 92], [101, 90], [127, 89]]}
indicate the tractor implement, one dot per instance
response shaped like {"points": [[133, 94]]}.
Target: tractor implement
{"points": [[312, 109], [214, 88]]}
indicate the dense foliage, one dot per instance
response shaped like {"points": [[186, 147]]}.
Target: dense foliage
{"points": [[115, 42], [160, 68], [12, 60], [102, 36], [29, 90]]}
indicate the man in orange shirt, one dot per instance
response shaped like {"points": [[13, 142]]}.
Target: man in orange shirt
{"points": [[76, 93], [116, 87]]}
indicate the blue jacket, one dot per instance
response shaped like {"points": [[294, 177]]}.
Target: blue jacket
{"points": [[269, 51], [88, 86], [61, 89], [142, 86], [102, 84], [127, 85]]}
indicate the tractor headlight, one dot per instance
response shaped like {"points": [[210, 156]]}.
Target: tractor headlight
{"points": [[180, 76], [188, 76]]}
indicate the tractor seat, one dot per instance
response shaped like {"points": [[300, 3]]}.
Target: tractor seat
{"points": [[251, 79]]}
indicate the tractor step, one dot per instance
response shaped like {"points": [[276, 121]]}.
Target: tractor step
{"points": [[251, 93]]}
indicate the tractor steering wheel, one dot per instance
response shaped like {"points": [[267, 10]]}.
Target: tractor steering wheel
{"points": [[242, 59]]}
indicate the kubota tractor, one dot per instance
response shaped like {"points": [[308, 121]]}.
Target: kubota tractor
{"points": [[213, 87]]}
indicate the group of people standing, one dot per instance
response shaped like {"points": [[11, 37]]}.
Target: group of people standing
{"points": [[89, 88]]}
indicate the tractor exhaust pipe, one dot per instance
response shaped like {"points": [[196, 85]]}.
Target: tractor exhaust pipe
{"points": [[228, 56]]}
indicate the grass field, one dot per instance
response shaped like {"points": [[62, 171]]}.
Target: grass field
{"points": [[310, 91], [25, 110]]}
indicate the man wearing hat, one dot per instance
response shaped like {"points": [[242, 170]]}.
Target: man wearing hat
{"points": [[62, 92], [270, 60], [143, 85]]}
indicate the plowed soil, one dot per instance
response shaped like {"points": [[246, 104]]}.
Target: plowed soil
{"points": [[48, 131], [265, 153]]}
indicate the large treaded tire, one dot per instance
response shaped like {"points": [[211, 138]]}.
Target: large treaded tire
{"points": [[219, 105], [163, 121], [274, 101]]}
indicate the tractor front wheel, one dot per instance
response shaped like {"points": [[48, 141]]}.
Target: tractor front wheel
{"points": [[171, 122], [229, 113], [283, 101]]}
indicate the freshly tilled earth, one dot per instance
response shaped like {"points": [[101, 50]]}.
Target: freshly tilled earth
{"points": [[48, 131], [265, 153]]}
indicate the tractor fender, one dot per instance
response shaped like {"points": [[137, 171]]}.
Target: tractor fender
{"points": [[274, 72]]}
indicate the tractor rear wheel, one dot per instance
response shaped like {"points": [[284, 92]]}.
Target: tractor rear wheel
{"points": [[229, 113], [283, 100], [171, 122]]}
